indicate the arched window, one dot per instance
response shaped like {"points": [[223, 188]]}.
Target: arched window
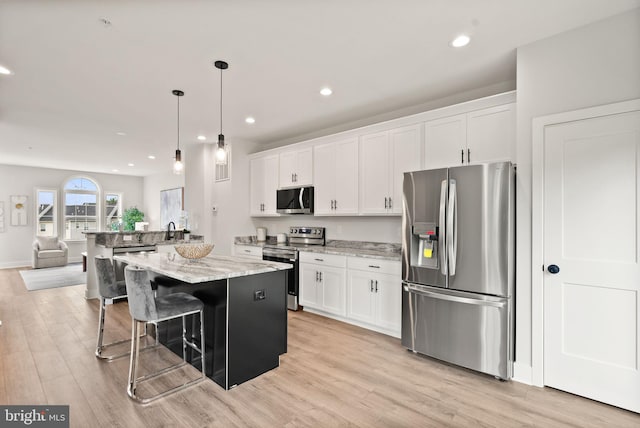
{"points": [[81, 207]]}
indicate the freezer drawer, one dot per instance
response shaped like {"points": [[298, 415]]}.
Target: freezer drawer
{"points": [[466, 329]]}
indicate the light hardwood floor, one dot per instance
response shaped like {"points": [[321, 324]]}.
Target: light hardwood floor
{"points": [[333, 374]]}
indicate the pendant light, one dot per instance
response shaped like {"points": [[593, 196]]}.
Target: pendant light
{"points": [[221, 152], [178, 166]]}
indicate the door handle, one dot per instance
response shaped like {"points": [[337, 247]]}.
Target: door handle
{"points": [[452, 228], [442, 228], [553, 269]]}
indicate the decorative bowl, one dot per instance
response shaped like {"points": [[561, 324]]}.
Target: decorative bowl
{"points": [[193, 251]]}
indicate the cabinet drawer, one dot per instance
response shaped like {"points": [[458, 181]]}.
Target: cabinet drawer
{"points": [[248, 251], [391, 267], [323, 259]]}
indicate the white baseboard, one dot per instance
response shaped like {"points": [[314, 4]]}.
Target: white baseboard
{"points": [[11, 265], [522, 373]]}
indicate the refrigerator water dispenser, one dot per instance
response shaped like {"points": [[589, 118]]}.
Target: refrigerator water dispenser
{"points": [[425, 240]]}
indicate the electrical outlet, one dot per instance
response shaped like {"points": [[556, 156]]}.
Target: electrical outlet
{"points": [[127, 237]]}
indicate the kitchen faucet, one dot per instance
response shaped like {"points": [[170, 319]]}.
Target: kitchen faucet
{"points": [[170, 235]]}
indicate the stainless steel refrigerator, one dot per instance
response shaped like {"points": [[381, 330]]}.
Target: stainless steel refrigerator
{"points": [[458, 263]]}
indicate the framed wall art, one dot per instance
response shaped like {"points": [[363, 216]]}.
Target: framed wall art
{"points": [[18, 210], [171, 205]]}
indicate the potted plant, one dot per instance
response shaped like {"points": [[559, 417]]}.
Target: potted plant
{"points": [[130, 216]]}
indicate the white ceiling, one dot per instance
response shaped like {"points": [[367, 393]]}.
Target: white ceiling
{"points": [[77, 82]]}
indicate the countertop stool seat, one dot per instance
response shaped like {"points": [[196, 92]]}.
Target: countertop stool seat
{"points": [[145, 307], [109, 289]]}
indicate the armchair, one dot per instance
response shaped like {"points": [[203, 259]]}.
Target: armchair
{"points": [[49, 252]]}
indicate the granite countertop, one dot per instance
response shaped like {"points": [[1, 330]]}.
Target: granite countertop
{"points": [[374, 250], [209, 268], [113, 239]]}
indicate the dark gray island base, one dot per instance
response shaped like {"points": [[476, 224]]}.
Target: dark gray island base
{"points": [[245, 316]]}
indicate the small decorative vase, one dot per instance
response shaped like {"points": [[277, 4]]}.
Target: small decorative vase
{"points": [[186, 236]]}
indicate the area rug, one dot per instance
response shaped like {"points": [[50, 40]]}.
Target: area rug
{"points": [[40, 279]]}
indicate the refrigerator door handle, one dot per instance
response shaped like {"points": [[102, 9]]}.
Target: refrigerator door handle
{"points": [[442, 239], [415, 290], [452, 228]]}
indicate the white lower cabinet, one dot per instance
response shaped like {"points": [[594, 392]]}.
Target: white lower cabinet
{"points": [[247, 251], [374, 293], [323, 283], [358, 290]]}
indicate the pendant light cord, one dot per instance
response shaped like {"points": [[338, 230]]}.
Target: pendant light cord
{"points": [[220, 101], [178, 122]]}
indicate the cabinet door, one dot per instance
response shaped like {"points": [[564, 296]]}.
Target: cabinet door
{"points": [[288, 162], [270, 178], [374, 173], [333, 290], [256, 190], [324, 178], [309, 286], [406, 145], [360, 297], [388, 302], [491, 134], [304, 169], [345, 170], [444, 139]]}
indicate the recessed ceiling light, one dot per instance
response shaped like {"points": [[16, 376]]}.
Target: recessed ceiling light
{"points": [[201, 137], [130, 164], [151, 157], [326, 91], [460, 41], [250, 120], [4, 70], [121, 133], [115, 170]]}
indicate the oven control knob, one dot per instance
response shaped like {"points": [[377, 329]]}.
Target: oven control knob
{"points": [[294, 230]]}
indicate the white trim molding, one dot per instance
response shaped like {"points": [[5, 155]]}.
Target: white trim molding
{"points": [[537, 215]]}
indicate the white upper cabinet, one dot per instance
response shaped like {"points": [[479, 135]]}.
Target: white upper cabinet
{"points": [[264, 184], [335, 178], [384, 157], [491, 134], [479, 136], [445, 140], [296, 168]]}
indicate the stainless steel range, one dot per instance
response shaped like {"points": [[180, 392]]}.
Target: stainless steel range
{"points": [[299, 237]]}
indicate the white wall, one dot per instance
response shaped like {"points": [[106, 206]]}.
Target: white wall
{"points": [[15, 242], [153, 184], [231, 197], [592, 65]]}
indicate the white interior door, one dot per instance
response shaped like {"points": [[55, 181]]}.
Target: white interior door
{"points": [[591, 317]]}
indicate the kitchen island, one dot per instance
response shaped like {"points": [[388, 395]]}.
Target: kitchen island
{"points": [[245, 310]]}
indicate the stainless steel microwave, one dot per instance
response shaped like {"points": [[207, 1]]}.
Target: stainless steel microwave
{"points": [[298, 200]]}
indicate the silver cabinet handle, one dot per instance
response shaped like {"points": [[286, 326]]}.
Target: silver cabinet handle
{"points": [[468, 155], [386, 205], [335, 204], [462, 155], [247, 251], [376, 281], [295, 177], [320, 276], [317, 276], [374, 266], [319, 260], [390, 204], [371, 285]]}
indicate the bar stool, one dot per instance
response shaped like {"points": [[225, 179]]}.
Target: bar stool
{"points": [[108, 288], [145, 307]]}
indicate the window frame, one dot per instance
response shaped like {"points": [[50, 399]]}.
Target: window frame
{"points": [[104, 213], [55, 209], [98, 193]]}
